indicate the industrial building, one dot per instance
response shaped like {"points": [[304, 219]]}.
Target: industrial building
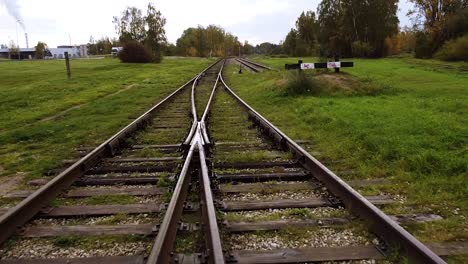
{"points": [[51, 53]]}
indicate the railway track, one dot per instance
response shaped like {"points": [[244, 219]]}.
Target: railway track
{"points": [[201, 178], [252, 66]]}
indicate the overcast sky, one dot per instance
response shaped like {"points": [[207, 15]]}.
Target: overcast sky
{"points": [[56, 22]]}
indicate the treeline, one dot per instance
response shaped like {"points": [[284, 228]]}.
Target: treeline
{"points": [[102, 46], [344, 28], [206, 42], [338, 28], [361, 28], [444, 31]]}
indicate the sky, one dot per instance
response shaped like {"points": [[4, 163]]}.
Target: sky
{"points": [[61, 22]]}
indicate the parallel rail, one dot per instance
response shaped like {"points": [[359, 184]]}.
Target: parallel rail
{"points": [[197, 145], [253, 66]]}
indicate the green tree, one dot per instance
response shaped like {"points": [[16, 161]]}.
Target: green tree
{"points": [[101, 46], [290, 43], [207, 42], [41, 48], [306, 26], [155, 33], [247, 49], [146, 29], [347, 25], [13, 50], [131, 25]]}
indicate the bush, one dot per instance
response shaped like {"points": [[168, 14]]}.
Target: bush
{"points": [[135, 52], [453, 50], [299, 83]]}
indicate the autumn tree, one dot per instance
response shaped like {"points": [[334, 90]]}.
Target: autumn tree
{"points": [[443, 20]]}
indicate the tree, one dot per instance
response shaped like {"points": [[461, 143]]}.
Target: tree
{"points": [[443, 20], [13, 50], [247, 49], [290, 42], [147, 30], [306, 26], [207, 42], [101, 46], [3, 46], [330, 22], [41, 48], [131, 26], [347, 24], [155, 33], [407, 40]]}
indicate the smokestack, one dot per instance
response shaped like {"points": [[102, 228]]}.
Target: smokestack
{"points": [[27, 41]]}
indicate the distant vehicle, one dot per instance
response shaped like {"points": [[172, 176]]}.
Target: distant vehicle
{"points": [[115, 51]]}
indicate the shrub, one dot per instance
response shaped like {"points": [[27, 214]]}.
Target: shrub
{"points": [[299, 83], [135, 52], [456, 49]]}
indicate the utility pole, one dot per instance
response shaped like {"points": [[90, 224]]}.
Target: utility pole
{"points": [[17, 38]]}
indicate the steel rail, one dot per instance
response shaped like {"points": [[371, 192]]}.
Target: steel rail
{"points": [[13, 219], [213, 240], [162, 249], [208, 107], [245, 64], [16, 217], [194, 108], [379, 222], [256, 64], [164, 241]]}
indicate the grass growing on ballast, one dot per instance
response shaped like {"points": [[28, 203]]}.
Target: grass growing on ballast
{"points": [[105, 93], [413, 131]]}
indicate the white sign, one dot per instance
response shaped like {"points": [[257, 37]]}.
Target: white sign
{"points": [[307, 66], [333, 64]]}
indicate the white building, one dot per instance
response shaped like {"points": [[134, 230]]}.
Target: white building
{"points": [[59, 52]]}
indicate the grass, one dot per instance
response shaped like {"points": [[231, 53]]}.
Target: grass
{"points": [[416, 135], [37, 128], [97, 200]]}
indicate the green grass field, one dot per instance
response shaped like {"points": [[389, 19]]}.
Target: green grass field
{"points": [[414, 132], [45, 116]]}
